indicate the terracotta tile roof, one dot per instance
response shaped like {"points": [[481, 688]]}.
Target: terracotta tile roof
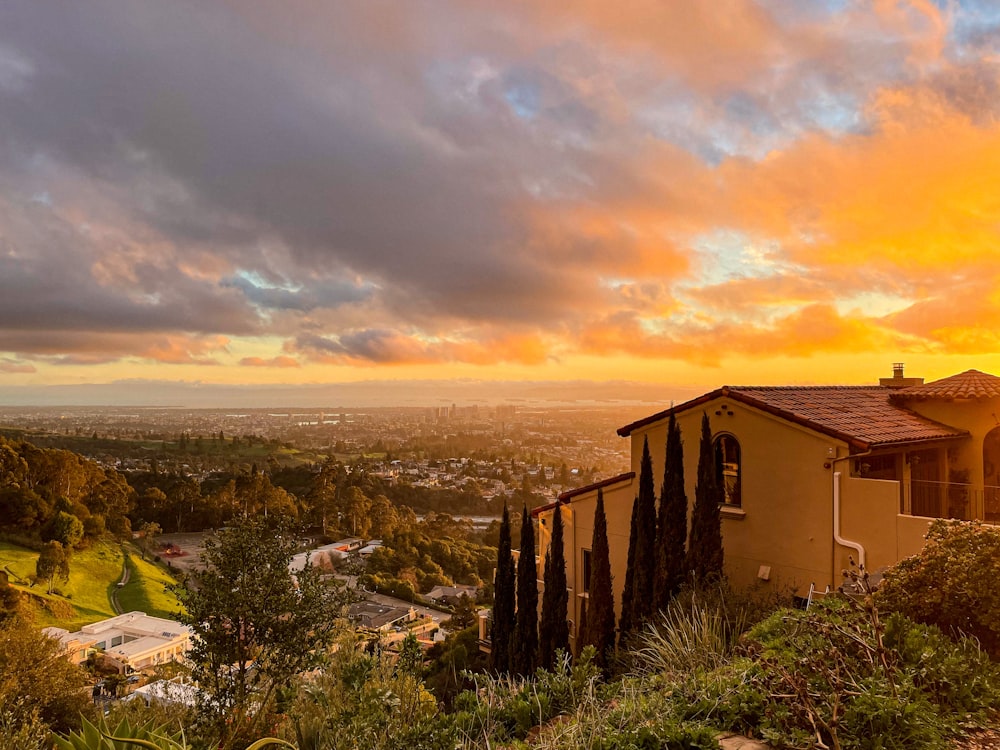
{"points": [[968, 384], [568, 495], [862, 416]]}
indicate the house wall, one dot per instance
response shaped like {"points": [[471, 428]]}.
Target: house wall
{"points": [[910, 534], [785, 522], [869, 513]]}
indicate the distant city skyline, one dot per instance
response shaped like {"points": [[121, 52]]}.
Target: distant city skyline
{"points": [[404, 203], [427, 393]]}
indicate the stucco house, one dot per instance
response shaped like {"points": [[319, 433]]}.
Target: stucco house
{"points": [[814, 475]]}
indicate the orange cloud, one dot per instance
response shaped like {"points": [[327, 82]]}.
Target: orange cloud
{"points": [[17, 367], [280, 361], [386, 347], [813, 330], [177, 350]]}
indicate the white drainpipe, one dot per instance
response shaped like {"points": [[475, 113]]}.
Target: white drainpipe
{"points": [[856, 546]]}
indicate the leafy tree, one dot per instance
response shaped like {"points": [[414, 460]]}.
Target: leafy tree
{"points": [[10, 599], [255, 626], [599, 630], [525, 651], [553, 631], [356, 507], [322, 496], [704, 554], [35, 676], [150, 531], [382, 516], [52, 561], [671, 525], [502, 631], [645, 542], [66, 529], [411, 657], [626, 621]]}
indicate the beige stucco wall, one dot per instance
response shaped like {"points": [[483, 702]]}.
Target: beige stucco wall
{"points": [[786, 521], [910, 534], [868, 515]]}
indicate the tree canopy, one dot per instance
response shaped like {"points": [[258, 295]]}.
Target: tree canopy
{"points": [[255, 624]]}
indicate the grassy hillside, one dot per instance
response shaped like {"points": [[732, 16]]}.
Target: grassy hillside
{"points": [[93, 577], [147, 590]]}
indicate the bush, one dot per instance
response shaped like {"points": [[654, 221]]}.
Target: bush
{"points": [[952, 583], [836, 676]]}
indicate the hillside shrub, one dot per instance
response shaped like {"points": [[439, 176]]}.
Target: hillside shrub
{"points": [[505, 708], [836, 676], [952, 583]]}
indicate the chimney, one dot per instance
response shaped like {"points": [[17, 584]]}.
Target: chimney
{"points": [[897, 380]]}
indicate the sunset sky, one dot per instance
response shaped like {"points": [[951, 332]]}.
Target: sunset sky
{"points": [[667, 194]]}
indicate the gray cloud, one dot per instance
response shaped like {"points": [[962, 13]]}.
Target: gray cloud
{"points": [[324, 294], [243, 168]]}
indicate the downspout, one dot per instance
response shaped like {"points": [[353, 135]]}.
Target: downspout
{"points": [[856, 546]]}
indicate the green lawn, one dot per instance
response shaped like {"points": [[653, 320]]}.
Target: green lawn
{"points": [[146, 590], [93, 576]]}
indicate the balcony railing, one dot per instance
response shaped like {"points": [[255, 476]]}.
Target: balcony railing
{"points": [[951, 500]]}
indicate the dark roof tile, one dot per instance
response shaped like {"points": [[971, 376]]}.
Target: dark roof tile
{"points": [[971, 384], [863, 416]]}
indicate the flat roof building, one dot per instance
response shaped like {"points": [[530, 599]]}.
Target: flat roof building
{"points": [[132, 640]]}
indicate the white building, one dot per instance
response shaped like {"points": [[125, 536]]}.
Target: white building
{"points": [[133, 640]]}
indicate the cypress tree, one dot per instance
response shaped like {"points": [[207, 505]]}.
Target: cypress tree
{"points": [[704, 558], [671, 526], [581, 642], [626, 620], [501, 635], [645, 541], [553, 632], [599, 630], [525, 647]]}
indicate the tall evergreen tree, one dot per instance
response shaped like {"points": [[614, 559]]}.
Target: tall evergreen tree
{"points": [[599, 630], [525, 647], [502, 632], [553, 632], [626, 620], [645, 541], [671, 525], [704, 556]]}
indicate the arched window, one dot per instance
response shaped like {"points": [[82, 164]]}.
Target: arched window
{"points": [[728, 449]]}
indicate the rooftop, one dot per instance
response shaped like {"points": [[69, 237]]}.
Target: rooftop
{"points": [[863, 416], [971, 384]]}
